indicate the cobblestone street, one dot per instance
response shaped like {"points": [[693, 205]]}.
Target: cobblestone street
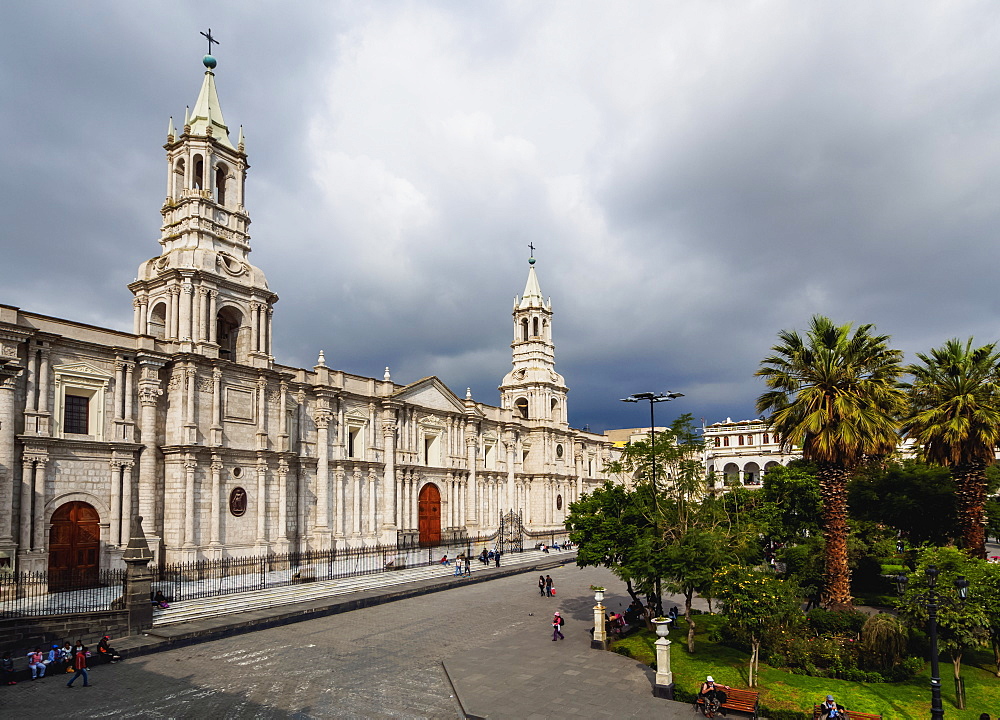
{"points": [[378, 662]]}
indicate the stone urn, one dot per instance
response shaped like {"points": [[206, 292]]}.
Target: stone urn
{"points": [[662, 626]]}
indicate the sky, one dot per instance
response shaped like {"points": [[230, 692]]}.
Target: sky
{"points": [[694, 176]]}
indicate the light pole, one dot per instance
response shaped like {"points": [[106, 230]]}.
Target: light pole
{"points": [[932, 603], [654, 398]]}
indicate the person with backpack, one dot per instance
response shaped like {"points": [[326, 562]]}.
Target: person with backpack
{"points": [[557, 623]]}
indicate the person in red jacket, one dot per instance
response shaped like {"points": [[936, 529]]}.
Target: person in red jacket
{"points": [[80, 665]]}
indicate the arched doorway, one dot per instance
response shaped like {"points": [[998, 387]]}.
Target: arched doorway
{"points": [[429, 515], [74, 547]]}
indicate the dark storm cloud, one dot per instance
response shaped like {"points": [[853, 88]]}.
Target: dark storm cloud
{"points": [[695, 176]]}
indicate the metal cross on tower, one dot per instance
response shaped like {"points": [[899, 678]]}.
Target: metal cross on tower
{"points": [[208, 36], [531, 247]]}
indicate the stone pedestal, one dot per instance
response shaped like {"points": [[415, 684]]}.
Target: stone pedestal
{"points": [[600, 641], [138, 580], [664, 685]]}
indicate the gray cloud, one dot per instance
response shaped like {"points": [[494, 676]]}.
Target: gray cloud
{"points": [[695, 176]]}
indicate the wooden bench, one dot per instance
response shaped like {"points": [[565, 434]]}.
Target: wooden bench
{"points": [[739, 700], [849, 715]]}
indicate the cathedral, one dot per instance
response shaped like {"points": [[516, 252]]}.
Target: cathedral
{"points": [[190, 422]]}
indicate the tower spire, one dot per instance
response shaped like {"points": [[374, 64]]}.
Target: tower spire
{"points": [[206, 119]]}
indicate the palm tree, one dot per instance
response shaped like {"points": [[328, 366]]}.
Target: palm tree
{"points": [[835, 394], [955, 418]]}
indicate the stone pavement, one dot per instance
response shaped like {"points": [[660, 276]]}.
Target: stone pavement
{"points": [[381, 660], [526, 676]]}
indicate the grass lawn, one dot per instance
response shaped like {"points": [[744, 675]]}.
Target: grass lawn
{"points": [[783, 690]]}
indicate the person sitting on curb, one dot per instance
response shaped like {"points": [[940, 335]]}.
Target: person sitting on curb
{"points": [[105, 650], [36, 661]]}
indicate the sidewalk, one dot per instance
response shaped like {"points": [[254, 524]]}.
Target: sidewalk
{"points": [[338, 596]]}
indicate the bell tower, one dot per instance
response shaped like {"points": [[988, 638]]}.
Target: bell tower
{"points": [[533, 389], [201, 294]]}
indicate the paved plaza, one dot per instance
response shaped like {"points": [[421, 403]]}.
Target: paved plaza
{"points": [[385, 661]]}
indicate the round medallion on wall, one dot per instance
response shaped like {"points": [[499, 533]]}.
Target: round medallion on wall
{"points": [[238, 502], [558, 502], [559, 451]]}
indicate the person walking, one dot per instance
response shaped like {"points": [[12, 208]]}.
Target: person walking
{"points": [[557, 623], [80, 665], [497, 557], [541, 586], [468, 566], [548, 585]]}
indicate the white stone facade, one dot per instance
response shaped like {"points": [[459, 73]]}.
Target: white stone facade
{"points": [[191, 422], [740, 452]]}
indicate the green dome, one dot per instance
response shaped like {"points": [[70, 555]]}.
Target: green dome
{"points": [[210, 62]]}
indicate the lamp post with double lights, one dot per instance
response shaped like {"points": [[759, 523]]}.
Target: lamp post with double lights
{"points": [[654, 398], [932, 602]]}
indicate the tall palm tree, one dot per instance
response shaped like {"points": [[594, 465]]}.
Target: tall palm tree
{"points": [[835, 394], [955, 418]]}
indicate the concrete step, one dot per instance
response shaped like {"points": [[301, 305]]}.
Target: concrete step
{"points": [[188, 610]]}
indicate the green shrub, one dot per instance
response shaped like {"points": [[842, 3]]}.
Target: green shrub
{"points": [[828, 622]]}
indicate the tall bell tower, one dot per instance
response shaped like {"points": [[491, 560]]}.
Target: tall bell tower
{"points": [[201, 294], [533, 389]]}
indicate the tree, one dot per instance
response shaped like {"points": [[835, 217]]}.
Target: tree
{"points": [[608, 527], [834, 393], [916, 499], [792, 503], [955, 418], [758, 607], [961, 626]]}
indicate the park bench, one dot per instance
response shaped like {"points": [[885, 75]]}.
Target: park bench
{"points": [[850, 715], [739, 700]]}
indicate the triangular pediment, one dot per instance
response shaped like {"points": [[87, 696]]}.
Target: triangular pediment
{"points": [[430, 393], [82, 369]]}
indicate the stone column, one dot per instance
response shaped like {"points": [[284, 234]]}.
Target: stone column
{"points": [[322, 529], [270, 313], [119, 390], [127, 494], [215, 530], [356, 503], [44, 370], [372, 503], [187, 296], [8, 382], [254, 327], [27, 483], [216, 428], [213, 313], [389, 472], [30, 402], [282, 535], [190, 419], [137, 317], [129, 411], [471, 446], [509, 488], [115, 528], [38, 540], [262, 412], [189, 469], [340, 499], [262, 502], [149, 393]]}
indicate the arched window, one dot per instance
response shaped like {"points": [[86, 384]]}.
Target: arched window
{"points": [[524, 328], [741, 439], [766, 439], [157, 321], [228, 322], [199, 170], [521, 408], [555, 410], [178, 180], [220, 184], [725, 441], [718, 441], [534, 327]]}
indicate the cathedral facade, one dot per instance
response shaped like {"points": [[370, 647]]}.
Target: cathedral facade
{"points": [[190, 422]]}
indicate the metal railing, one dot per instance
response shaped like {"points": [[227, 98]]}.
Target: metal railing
{"points": [[28, 594]]}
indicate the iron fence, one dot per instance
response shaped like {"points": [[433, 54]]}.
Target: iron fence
{"points": [[29, 594]]}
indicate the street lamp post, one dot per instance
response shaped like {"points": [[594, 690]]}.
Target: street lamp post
{"points": [[654, 398], [932, 602]]}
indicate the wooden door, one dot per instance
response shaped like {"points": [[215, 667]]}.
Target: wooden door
{"points": [[74, 547], [429, 515]]}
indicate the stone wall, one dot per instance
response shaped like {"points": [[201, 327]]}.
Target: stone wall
{"points": [[18, 635]]}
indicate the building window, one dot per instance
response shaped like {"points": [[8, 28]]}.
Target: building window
{"points": [[741, 439], [76, 415], [725, 441], [766, 439], [353, 433], [718, 441]]}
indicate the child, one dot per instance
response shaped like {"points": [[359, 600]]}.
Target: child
{"points": [[7, 669]]}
